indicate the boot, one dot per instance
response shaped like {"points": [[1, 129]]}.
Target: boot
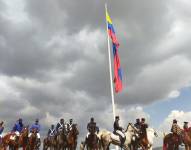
{"points": [[122, 142]]}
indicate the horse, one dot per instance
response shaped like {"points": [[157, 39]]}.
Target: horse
{"points": [[23, 139], [50, 142], [72, 138], [13, 143], [33, 143], [186, 137], [146, 142], [92, 142], [61, 139], [108, 138], [9, 141], [171, 142]]}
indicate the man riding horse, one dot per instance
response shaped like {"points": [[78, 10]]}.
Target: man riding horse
{"points": [[137, 125], [18, 127], [36, 126], [176, 131], [69, 125], [185, 127], [118, 130], [51, 132], [60, 126], [92, 129], [143, 129]]}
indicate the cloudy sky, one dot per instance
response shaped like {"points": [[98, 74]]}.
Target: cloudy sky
{"points": [[54, 62]]}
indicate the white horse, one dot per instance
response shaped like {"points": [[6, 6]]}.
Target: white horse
{"points": [[108, 138], [151, 133]]}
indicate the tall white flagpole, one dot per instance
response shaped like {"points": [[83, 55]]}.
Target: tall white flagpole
{"points": [[110, 68]]}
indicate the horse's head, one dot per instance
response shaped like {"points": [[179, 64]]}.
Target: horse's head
{"points": [[130, 128], [25, 131], [131, 131]]}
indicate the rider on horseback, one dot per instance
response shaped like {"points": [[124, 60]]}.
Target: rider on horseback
{"points": [[35, 126], [176, 130], [119, 131], [1, 130], [18, 127], [136, 138], [143, 129], [60, 126], [137, 125], [91, 127], [51, 132], [69, 125], [185, 127]]}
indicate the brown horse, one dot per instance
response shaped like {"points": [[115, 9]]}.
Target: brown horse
{"points": [[171, 142], [11, 140], [187, 139], [61, 139], [50, 142], [143, 142], [72, 138], [33, 140]]}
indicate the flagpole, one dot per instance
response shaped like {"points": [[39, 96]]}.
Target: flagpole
{"points": [[110, 68]]}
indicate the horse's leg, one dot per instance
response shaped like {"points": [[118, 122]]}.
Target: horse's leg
{"points": [[176, 147], [187, 147]]}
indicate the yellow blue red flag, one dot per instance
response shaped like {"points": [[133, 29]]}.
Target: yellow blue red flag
{"points": [[117, 66]]}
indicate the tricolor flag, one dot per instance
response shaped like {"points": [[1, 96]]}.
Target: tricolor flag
{"points": [[117, 67]]}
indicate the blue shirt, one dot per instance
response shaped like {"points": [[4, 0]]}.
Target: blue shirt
{"points": [[18, 127], [35, 126]]}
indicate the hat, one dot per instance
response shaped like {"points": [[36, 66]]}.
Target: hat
{"points": [[185, 122], [174, 121], [116, 117], [137, 119], [71, 119]]}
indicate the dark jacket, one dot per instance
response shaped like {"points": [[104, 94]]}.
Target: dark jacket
{"points": [[51, 132], [137, 125], [91, 127], [116, 126]]}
